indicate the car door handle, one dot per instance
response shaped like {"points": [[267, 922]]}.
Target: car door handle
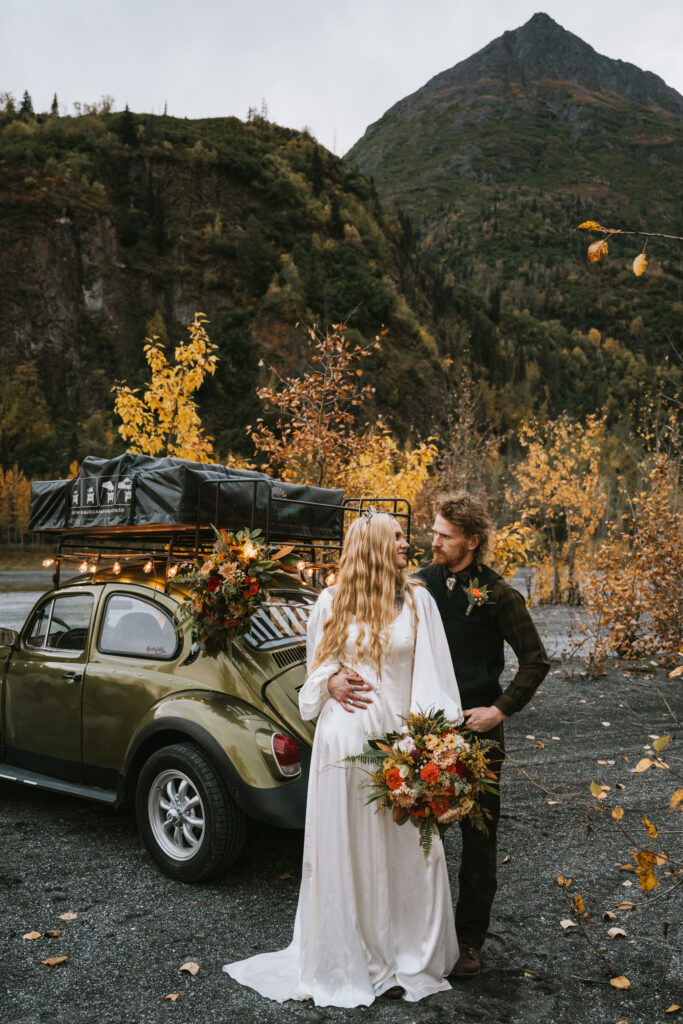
{"points": [[71, 677]]}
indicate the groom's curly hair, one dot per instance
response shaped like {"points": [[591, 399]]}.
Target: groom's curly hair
{"points": [[463, 510]]}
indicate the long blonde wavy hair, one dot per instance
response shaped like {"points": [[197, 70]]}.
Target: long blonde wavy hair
{"points": [[369, 583]]}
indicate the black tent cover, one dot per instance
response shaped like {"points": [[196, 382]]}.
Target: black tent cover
{"points": [[141, 491]]}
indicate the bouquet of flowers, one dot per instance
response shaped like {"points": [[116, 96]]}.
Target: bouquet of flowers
{"points": [[430, 773], [229, 587]]}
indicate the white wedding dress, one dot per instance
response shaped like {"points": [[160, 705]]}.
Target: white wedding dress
{"points": [[372, 914]]}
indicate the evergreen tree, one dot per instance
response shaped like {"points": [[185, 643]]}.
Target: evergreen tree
{"points": [[26, 104], [54, 107], [126, 128], [317, 171]]}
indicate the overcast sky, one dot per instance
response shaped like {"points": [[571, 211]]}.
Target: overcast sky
{"points": [[333, 66]]}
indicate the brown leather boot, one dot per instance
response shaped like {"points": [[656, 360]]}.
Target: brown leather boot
{"points": [[468, 964]]}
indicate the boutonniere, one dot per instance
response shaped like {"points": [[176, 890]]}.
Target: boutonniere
{"points": [[476, 595]]}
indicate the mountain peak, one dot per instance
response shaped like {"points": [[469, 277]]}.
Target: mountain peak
{"points": [[543, 51]]}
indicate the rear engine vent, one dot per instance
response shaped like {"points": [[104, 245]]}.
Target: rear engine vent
{"points": [[287, 656]]}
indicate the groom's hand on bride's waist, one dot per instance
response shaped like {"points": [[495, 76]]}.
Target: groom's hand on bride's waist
{"points": [[349, 690], [483, 719]]}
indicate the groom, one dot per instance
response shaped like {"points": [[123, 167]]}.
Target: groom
{"points": [[480, 612]]}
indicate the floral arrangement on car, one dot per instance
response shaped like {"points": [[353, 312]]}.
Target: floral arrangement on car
{"points": [[229, 587], [429, 773]]}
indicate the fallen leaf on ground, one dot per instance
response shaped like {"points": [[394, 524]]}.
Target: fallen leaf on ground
{"points": [[172, 996], [661, 742], [651, 829], [552, 802], [568, 923], [675, 800], [627, 883], [596, 790], [540, 745], [625, 905], [609, 916], [620, 982], [643, 764], [286, 874], [69, 916], [529, 737], [191, 967], [673, 1008], [618, 813], [675, 673], [555, 737], [53, 933], [30, 936], [615, 933], [607, 762], [506, 859], [620, 785], [578, 903], [583, 701], [527, 975], [52, 961]]}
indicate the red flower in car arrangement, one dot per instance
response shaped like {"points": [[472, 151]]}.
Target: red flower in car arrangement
{"points": [[229, 587]]}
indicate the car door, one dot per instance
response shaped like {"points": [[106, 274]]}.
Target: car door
{"points": [[44, 686]]}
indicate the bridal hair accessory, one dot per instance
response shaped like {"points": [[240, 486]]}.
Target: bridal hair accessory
{"points": [[369, 512]]}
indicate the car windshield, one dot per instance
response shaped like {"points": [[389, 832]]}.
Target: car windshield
{"points": [[281, 622]]}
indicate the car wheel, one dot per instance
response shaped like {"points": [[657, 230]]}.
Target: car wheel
{"points": [[188, 822]]}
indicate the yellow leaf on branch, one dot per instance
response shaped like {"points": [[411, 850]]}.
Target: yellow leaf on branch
{"points": [[591, 225], [640, 264], [644, 764], [597, 250]]}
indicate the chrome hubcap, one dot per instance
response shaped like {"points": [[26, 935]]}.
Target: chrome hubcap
{"points": [[176, 814]]}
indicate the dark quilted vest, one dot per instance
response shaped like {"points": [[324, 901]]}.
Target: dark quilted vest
{"points": [[475, 641]]}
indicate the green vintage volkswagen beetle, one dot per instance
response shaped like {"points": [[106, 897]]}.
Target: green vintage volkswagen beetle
{"points": [[103, 697]]}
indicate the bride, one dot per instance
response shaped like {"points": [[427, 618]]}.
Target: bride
{"points": [[373, 918]]}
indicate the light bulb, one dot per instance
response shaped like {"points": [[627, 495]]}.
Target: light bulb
{"points": [[47, 562], [301, 566], [172, 571], [83, 567], [93, 567], [116, 568], [148, 566], [329, 579], [309, 571]]}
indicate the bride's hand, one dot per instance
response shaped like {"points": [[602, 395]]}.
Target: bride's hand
{"points": [[347, 687]]}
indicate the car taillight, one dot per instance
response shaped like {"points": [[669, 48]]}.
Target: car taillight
{"points": [[286, 753]]}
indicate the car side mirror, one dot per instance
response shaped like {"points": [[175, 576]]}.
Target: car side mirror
{"points": [[8, 637]]}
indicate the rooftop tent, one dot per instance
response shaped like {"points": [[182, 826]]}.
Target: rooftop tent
{"points": [[140, 492]]}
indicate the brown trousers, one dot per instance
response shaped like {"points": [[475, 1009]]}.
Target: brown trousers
{"points": [[477, 878]]}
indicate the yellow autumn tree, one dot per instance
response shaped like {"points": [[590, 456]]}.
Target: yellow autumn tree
{"points": [[318, 436], [15, 499], [165, 419], [558, 491]]}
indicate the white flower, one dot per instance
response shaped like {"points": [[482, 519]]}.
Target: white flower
{"points": [[404, 730], [404, 771], [405, 745]]}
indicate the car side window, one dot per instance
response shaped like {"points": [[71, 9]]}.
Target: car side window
{"points": [[137, 628], [61, 624]]}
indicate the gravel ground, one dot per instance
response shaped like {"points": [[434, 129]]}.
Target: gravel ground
{"points": [[135, 928]]}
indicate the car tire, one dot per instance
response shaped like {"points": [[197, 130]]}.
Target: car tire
{"points": [[188, 822]]}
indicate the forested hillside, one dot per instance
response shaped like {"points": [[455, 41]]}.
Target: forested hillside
{"points": [[498, 159], [110, 221]]}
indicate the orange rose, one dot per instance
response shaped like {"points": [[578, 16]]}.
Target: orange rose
{"points": [[394, 779], [475, 592], [430, 773]]}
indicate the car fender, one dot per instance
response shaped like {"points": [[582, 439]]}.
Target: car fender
{"points": [[237, 739]]}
